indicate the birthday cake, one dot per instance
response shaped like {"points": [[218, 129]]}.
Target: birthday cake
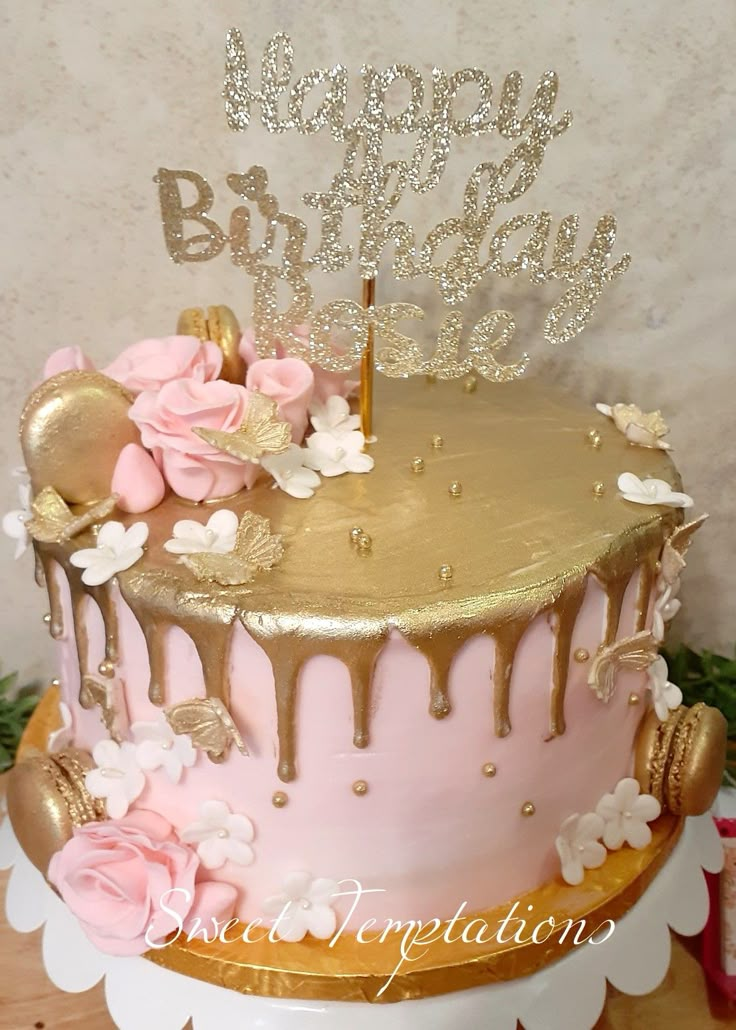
{"points": [[319, 672]]}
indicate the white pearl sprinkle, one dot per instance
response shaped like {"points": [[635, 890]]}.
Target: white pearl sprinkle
{"points": [[222, 834]]}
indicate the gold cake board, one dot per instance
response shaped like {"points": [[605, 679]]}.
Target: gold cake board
{"points": [[355, 971]]}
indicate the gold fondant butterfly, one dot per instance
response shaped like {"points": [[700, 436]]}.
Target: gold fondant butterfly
{"points": [[209, 724], [262, 432], [256, 549], [676, 547], [635, 653], [54, 522]]}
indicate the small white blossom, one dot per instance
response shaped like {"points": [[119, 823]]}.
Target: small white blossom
{"points": [[304, 906], [335, 453], [220, 836], [61, 738], [665, 695], [651, 491], [666, 607], [646, 429], [217, 536], [14, 522], [579, 847], [118, 778], [117, 549], [333, 415], [158, 747], [291, 473], [626, 813]]}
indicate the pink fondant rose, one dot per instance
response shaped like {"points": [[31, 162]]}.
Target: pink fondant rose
{"points": [[112, 875], [326, 384], [289, 382], [193, 468], [149, 364], [67, 359]]}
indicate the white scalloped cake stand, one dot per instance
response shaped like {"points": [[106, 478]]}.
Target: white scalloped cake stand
{"points": [[569, 995]]}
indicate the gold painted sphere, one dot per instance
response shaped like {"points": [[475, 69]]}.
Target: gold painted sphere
{"points": [[72, 431], [47, 798], [681, 761]]}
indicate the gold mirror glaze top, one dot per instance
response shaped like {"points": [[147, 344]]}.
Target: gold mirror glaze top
{"points": [[487, 505]]}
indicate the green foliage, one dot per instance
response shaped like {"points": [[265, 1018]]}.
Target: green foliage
{"points": [[15, 711], [704, 676]]}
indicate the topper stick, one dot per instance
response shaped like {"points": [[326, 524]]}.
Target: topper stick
{"points": [[367, 365]]}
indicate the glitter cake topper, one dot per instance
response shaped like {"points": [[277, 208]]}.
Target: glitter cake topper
{"points": [[271, 244]]}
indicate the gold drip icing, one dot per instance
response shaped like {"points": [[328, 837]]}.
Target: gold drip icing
{"points": [[522, 542], [38, 570], [565, 615], [103, 595], [507, 640], [647, 582], [45, 563], [79, 617]]}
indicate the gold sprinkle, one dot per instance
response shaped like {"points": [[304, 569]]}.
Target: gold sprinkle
{"points": [[528, 808], [355, 534], [106, 669], [47, 618], [360, 787], [365, 543], [437, 441], [470, 384], [455, 489], [489, 769], [599, 488], [634, 699], [55, 682], [581, 655], [280, 800], [417, 464], [594, 438], [445, 572]]}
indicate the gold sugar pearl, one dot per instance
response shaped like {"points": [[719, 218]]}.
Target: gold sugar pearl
{"points": [[470, 384], [106, 669], [599, 489], [634, 699], [47, 618], [489, 769], [360, 788], [280, 800], [594, 438], [355, 534], [581, 655], [365, 543], [437, 441], [528, 808], [417, 464], [455, 489], [55, 682], [445, 572]]}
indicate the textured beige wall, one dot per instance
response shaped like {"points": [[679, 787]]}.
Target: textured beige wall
{"points": [[97, 95]]}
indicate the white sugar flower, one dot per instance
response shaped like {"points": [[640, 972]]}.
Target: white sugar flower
{"points": [[333, 415], [646, 429], [14, 522], [291, 473], [118, 778], [117, 549], [335, 453], [61, 738], [651, 491], [579, 847], [158, 747], [666, 607], [220, 836], [665, 695], [626, 813], [304, 906], [216, 537]]}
